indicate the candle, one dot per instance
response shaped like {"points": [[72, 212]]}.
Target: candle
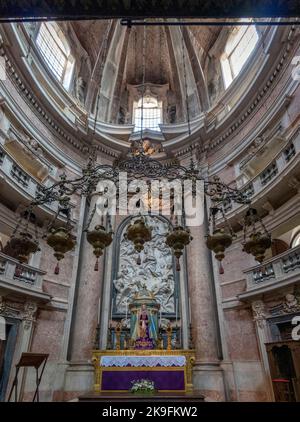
{"points": [[98, 314], [176, 310], [111, 309], [190, 311]]}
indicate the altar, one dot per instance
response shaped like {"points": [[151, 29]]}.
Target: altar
{"points": [[170, 370], [141, 348]]}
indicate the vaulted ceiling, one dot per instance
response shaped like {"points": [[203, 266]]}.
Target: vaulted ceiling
{"points": [[173, 56]]}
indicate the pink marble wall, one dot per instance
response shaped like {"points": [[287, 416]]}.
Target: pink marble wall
{"points": [[241, 335], [48, 332], [85, 322]]}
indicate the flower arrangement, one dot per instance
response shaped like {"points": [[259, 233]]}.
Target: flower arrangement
{"points": [[142, 386]]}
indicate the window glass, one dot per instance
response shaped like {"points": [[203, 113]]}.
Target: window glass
{"points": [[238, 49], [55, 51], [147, 114]]}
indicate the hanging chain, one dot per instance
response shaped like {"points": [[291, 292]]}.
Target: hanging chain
{"points": [[104, 49], [185, 82], [141, 149]]}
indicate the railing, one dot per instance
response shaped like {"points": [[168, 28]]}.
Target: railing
{"points": [[289, 152], [287, 157], [280, 268], [12, 171], [269, 173], [248, 191], [27, 184], [12, 270], [20, 175]]}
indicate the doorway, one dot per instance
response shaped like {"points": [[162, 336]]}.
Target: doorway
{"points": [[284, 361], [7, 348]]}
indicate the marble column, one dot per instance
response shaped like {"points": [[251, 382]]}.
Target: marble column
{"points": [[208, 375], [84, 324]]}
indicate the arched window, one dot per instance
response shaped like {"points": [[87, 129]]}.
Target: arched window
{"points": [[55, 50], [147, 113], [296, 240], [239, 46]]}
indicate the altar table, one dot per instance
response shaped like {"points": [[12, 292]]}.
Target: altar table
{"points": [[116, 371]]}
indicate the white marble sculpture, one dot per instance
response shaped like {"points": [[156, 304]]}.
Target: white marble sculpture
{"points": [[156, 269]]}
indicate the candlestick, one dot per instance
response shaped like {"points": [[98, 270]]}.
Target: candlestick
{"points": [[98, 314], [111, 309]]}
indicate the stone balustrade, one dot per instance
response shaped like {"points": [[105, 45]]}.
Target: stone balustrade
{"points": [[285, 160], [21, 180], [280, 270], [13, 271], [11, 170]]}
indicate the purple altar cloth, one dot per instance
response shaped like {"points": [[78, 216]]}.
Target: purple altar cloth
{"points": [[163, 380]]}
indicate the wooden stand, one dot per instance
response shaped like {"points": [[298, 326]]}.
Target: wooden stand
{"points": [[27, 360]]}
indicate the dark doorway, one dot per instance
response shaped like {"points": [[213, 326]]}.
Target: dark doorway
{"points": [[7, 348], [284, 366]]}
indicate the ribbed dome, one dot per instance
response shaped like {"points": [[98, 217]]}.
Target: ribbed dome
{"points": [[170, 53]]}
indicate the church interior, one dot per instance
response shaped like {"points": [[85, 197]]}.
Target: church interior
{"points": [[150, 209]]}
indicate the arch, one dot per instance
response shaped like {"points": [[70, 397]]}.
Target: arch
{"points": [[279, 246], [295, 239]]}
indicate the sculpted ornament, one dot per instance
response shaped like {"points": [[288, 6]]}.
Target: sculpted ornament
{"points": [[30, 309], [291, 303], [259, 312], [2, 305], [155, 271]]}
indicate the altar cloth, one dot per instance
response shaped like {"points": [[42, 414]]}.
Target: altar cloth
{"points": [[165, 379], [140, 361]]}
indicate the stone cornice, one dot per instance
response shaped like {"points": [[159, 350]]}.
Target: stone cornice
{"points": [[82, 146]]}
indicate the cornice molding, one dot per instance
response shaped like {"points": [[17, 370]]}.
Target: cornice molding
{"points": [[22, 87]]}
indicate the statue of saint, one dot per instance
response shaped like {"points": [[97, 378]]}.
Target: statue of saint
{"points": [[144, 323], [80, 87], [144, 328]]}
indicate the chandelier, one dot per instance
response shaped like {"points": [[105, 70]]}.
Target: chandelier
{"points": [[60, 237]]}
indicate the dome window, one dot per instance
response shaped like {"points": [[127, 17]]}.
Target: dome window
{"points": [[55, 50], [239, 47], [147, 114]]}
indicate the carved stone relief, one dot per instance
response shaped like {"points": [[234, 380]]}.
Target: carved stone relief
{"points": [[29, 312], [18, 310], [156, 269], [259, 312]]}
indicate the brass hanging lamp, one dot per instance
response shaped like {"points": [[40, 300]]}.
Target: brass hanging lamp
{"points": [[60, 237], [22, 243], [178, 237], [99, 237], [256, 241], [219, 239], [139, 233]]}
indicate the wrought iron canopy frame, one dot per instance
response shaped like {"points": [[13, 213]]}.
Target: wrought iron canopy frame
{"points": [[136, 167]]}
